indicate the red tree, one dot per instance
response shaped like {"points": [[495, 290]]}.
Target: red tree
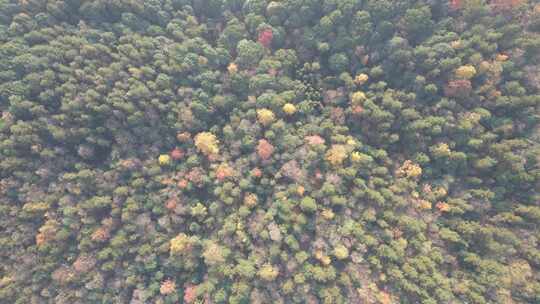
{"points": [[264, 149], [223, 172], [265, 37], [171, 204], [256, 172], [504, 5], [190, 293], [177, 153], [455, 4], [458, 88]]}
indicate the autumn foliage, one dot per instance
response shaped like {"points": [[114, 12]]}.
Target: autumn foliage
{"points": [[336, 155], [465, 72], [224, 171], [177, 154], [190, 293], [455, 4], [265, 116], [265, 37], [503, 5], [167, 287], [458, 88], [264, 149], [276, 151], [409, 169], [180, 244], [207, 143]]}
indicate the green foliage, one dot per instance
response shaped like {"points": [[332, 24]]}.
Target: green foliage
{"points": [[308, 204], [417, 23], [174, 151], [249, 53], [338, 62]]}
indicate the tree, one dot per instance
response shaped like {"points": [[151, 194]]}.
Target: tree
{"points": [[249, 53], [167, 287], [214, 254], [336, 155], [465, 72], [338, 62], [207, 143], [268, 272], [264, 149], [289, 109], [417, 23], [181, 244], [164, 160], [265, 116], [265, 37], [458, 88], [341, 252], [308, 204]]}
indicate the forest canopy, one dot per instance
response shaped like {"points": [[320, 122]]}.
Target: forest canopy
{"points": [[257, 151]]}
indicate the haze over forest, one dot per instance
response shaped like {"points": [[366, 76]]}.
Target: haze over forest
{"points": [[257, 151]]}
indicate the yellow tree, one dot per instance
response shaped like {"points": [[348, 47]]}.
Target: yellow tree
{"points": [[207, 143]]}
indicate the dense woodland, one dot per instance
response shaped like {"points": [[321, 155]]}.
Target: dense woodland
{"points": [[256, 151]]}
